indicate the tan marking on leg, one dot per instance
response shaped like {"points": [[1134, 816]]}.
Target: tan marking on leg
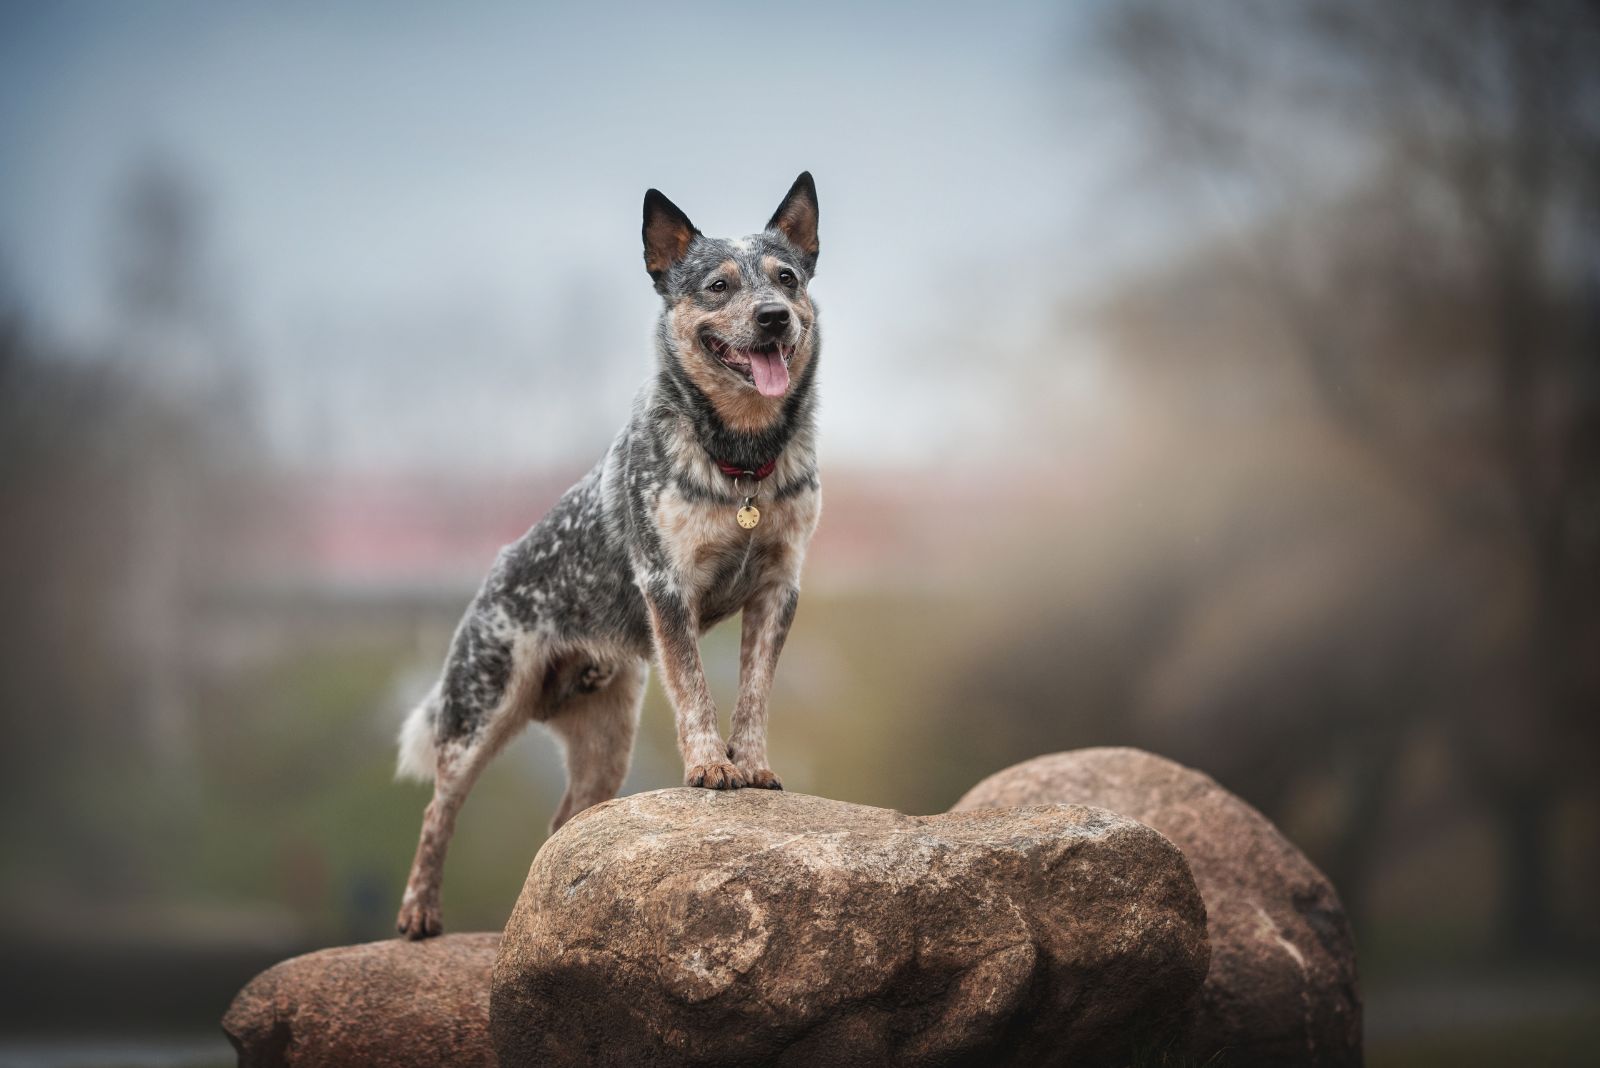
{"points": [[765, 625], [420, 907], [596, 732], [682, 674], [458, 768]]}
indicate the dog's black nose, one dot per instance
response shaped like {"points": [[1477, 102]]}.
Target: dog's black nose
{"points": [[773, 319]]}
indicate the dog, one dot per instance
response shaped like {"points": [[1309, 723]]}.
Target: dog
{"points": [[703, 506]]}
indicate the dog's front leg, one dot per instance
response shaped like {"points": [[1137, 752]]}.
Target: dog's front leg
{"points": [[705, 757], [767, 617]]}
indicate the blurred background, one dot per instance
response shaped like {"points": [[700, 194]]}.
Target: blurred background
{"points": [[1219, 379]]}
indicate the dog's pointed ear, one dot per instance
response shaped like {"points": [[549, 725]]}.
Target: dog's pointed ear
{"points": [[667, 236], [796, 218]]}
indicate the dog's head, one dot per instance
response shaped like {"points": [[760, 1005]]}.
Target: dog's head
{"points": [[737, 318]]}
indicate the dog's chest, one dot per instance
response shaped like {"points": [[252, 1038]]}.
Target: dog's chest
{"points": [[718, 562]]}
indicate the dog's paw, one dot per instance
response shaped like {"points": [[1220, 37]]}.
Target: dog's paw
{"points": [[762, 779], [419, 920], [719, 775]]}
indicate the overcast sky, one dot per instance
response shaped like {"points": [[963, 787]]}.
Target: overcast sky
{"points": [[426, 219]]}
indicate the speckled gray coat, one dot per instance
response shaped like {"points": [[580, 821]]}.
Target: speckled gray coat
{"points": [[644, 554]]}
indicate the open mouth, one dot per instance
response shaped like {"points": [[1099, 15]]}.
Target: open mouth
{"points": [[766, 366]]}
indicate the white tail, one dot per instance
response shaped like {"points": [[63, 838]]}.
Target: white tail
{"points": [[417, 757]]}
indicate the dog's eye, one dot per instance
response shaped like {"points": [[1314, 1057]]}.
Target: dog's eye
{"points": [[718, 286], [786, 277]]}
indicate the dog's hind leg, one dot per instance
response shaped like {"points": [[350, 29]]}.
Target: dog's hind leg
{"points": [[596, 725], [483, 702]]}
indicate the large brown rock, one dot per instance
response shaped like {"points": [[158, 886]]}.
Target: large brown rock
{"points": [[765, 928], [394, 1004], [1282, 988]]}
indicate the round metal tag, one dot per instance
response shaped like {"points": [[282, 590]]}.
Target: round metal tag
{"points": [[749, 516]]}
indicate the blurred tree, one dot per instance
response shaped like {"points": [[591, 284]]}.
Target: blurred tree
{"points": [[70, 431], [170, 334], [128, 457], [1414, 196]]}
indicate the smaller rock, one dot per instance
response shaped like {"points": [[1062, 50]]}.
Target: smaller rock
{"points": [[1282, 986], [394, 1004]]}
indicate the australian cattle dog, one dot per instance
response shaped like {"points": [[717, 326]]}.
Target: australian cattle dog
{"points": [[702, 507]]}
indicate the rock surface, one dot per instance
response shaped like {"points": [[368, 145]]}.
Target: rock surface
{"points": [[704, 927], [1282, 988], [394, 1004]]}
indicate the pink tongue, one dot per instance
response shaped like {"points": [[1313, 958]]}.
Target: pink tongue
{"points": [[770, 372]]}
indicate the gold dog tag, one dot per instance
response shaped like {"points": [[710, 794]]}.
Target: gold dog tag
{"points": [[749, 515]]}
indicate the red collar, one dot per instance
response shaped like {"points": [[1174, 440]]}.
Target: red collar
{"points": [[735, 471]]}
